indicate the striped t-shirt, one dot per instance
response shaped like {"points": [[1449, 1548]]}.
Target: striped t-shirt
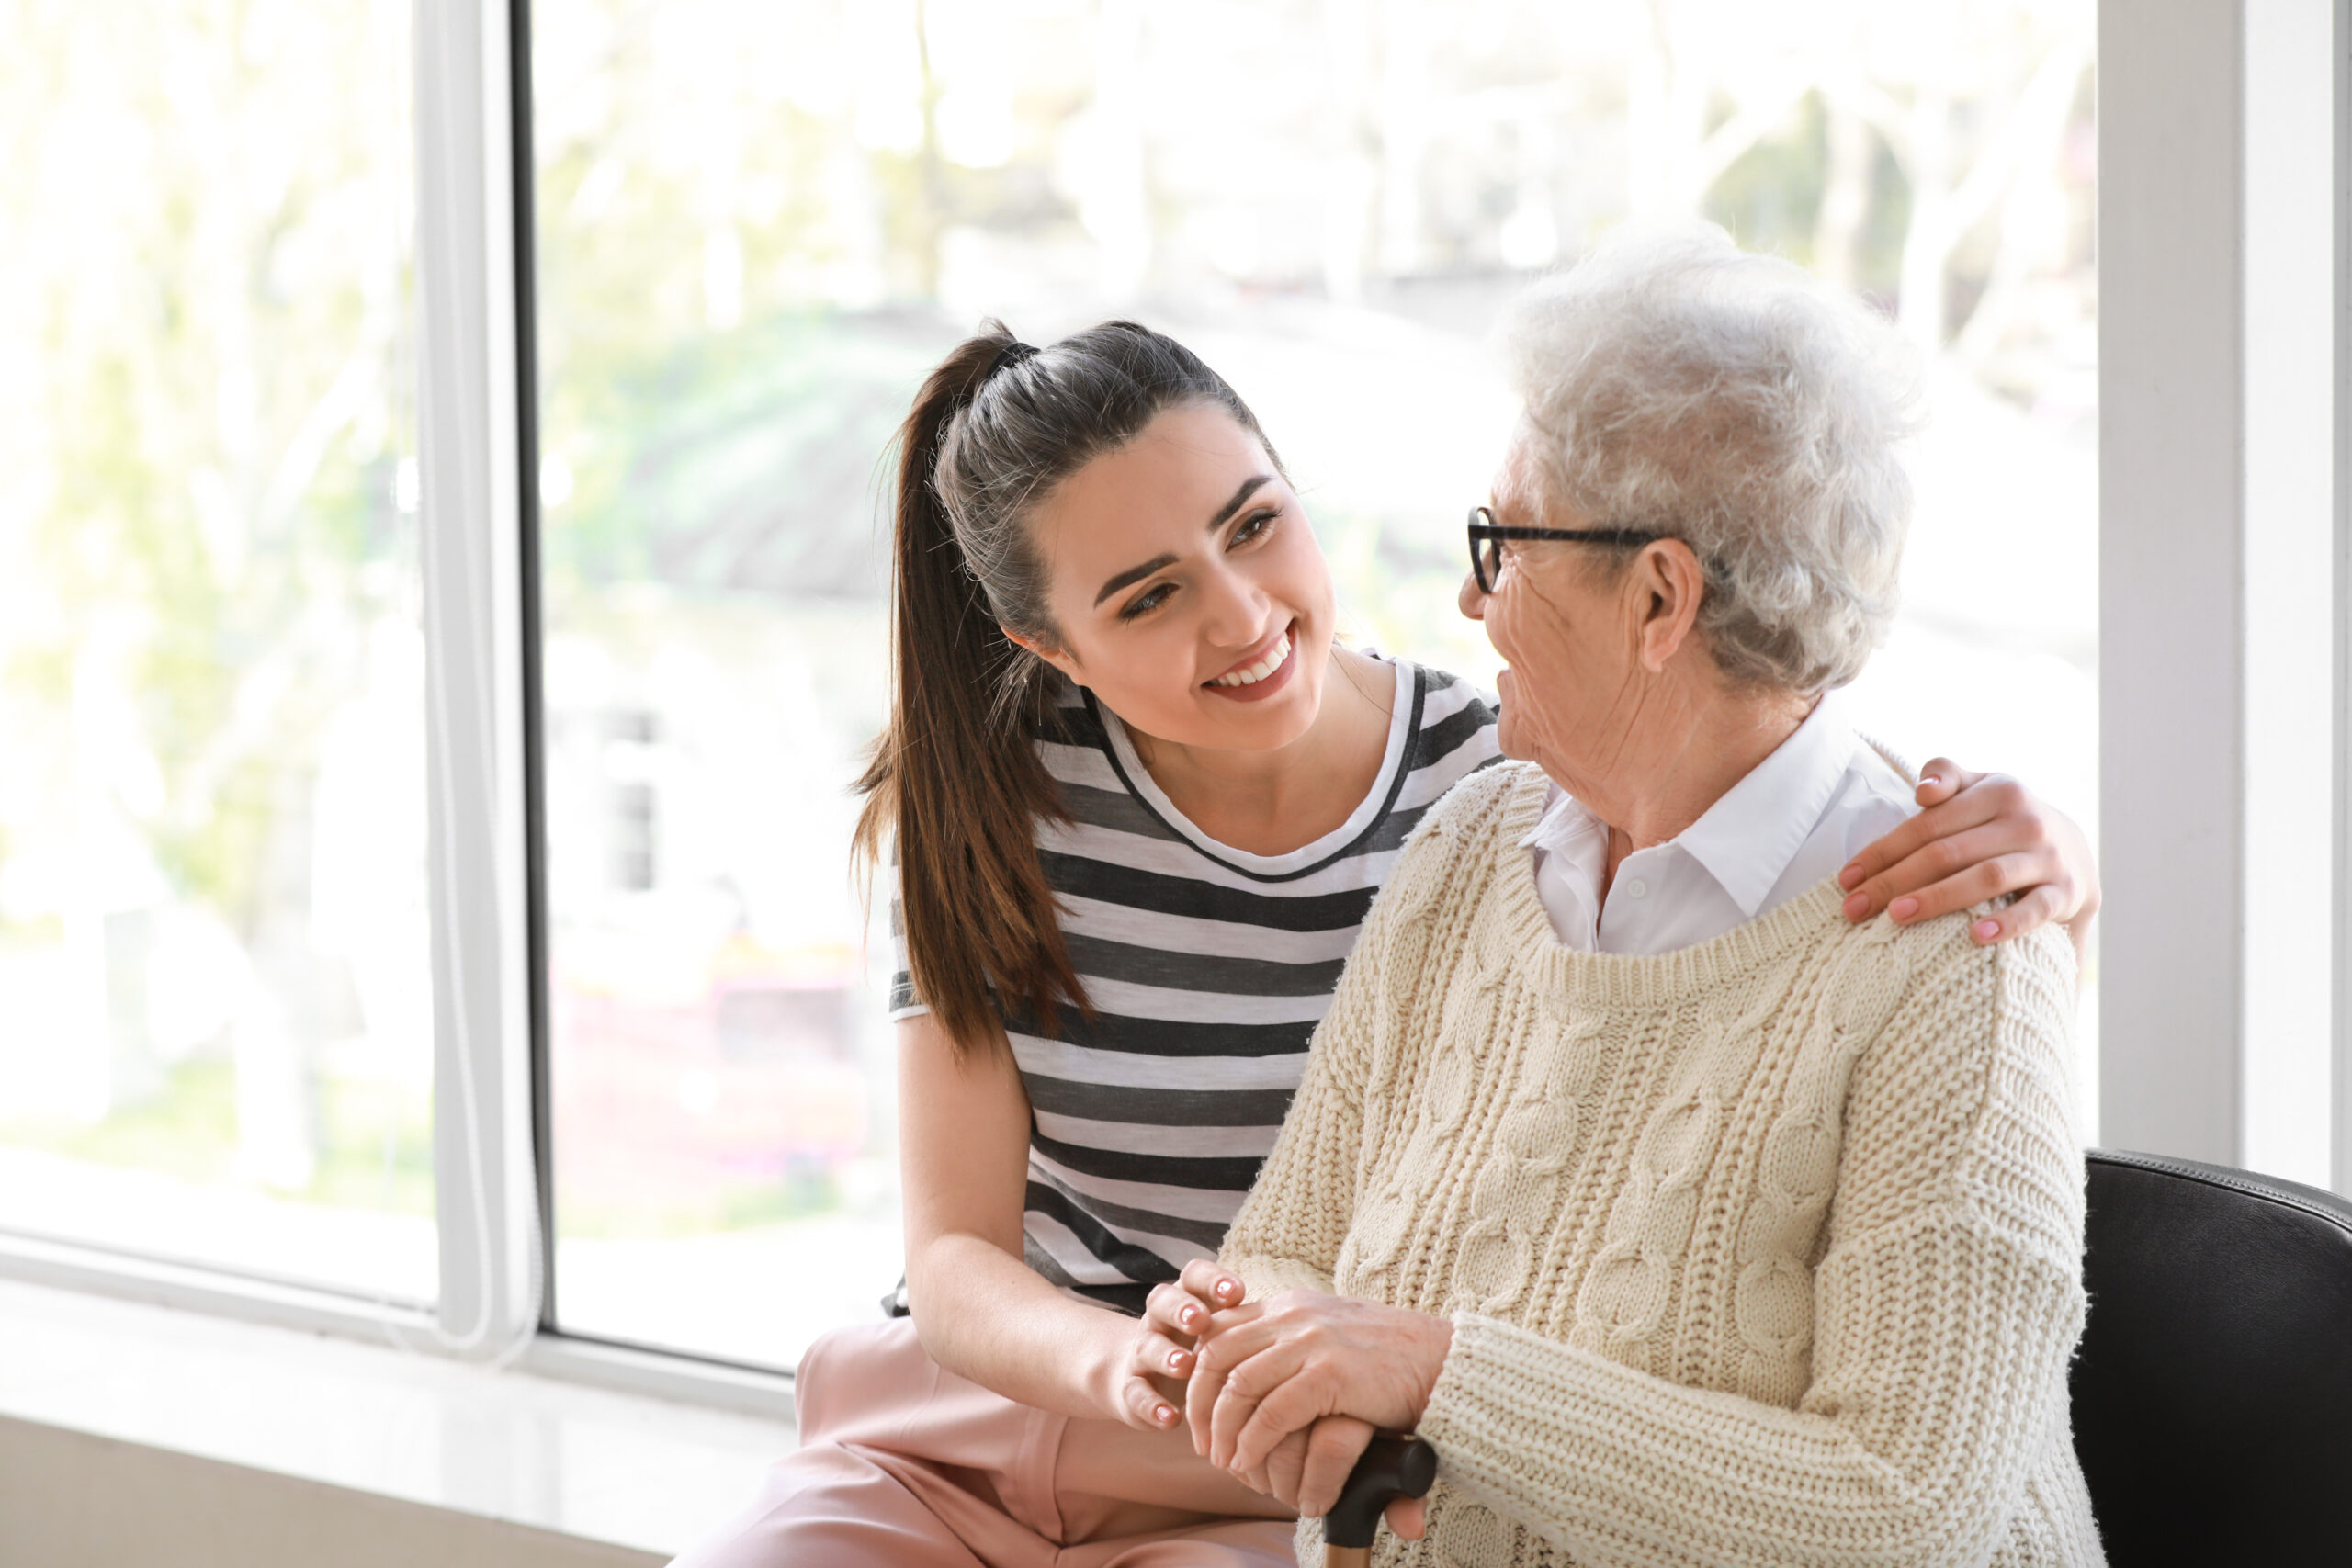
{"points": [[1208, 969]]}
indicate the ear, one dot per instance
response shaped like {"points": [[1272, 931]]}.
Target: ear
{"points": [[1044, 650], [1665, 586]]}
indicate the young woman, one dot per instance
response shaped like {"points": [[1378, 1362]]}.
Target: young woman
{"points": [[1139, 801]]}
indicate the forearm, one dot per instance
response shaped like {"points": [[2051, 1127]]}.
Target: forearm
{"points": [[1269, 1275], [1590, 1452], [987, 1316]]}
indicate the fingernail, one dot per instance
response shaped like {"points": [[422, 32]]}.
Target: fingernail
{"points": [[1189, 1316], [1903, 909], [1851, 877], [1175, 1360], [1985, 931], [1229, 1288], [1858, 905], [1163, 1414]]}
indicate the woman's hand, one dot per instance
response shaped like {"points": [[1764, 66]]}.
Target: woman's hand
{"points": [[1979, 835], [1266, 1369], [1173, 1318]]}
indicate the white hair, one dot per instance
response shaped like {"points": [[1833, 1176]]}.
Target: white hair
{"points": [[1676, 384]]}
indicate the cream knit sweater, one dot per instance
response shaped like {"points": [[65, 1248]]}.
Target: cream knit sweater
{"points": [[1764, 1251]]}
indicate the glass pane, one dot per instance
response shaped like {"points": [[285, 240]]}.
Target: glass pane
{"points": [[759, 226], [211, 672]]}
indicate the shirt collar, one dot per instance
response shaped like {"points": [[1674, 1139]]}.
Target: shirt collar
{"points": [[1746, 839], [1566, 826]]}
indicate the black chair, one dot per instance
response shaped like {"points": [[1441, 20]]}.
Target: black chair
{"points": [[2212, 1395]]}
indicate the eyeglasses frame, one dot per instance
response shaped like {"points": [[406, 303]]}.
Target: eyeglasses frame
{"points": [[1491, 531]]}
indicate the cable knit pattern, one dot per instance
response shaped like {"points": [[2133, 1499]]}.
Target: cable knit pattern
{"points": [[1765, 1251]]}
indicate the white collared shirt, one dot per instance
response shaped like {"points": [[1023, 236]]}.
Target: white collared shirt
{"points": [[1797, 818]]}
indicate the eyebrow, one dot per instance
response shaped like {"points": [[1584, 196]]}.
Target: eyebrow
{"points": [[1135, 574], [1229, 508]]}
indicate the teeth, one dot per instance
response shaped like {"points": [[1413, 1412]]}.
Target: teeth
{"points": [[1260, 671]]}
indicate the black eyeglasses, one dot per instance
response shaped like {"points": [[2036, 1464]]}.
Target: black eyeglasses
{"points": [[1487, 537]]}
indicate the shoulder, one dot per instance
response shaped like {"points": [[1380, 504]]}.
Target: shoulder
{"points": [[1454, 734], [1447, 865], [1450, 705], [1486, 804], [1963, 1092], [1070, 720], [1939, 957], [1073, 745], [1470, 825], [2041, 961], [1928, 1004]]}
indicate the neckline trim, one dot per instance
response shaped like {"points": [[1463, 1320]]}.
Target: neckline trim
{"points": [[1404, 724], [1617, 980]]}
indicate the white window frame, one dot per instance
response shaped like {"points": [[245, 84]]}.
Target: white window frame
{"points": [[2205, 241], [472, 532], [2340, 347]]}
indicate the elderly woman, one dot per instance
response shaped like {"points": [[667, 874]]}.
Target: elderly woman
{"points": [[1690, 1221]]}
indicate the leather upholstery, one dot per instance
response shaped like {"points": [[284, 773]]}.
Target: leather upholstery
{"points": [[2212, 1395]]}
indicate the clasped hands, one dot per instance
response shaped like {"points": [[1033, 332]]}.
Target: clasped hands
{"points": [[1285, 1393]]}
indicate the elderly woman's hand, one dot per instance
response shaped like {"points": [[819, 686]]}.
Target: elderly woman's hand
{"points": [[1979, 835], [1268, 1368], [1307, 1469]]}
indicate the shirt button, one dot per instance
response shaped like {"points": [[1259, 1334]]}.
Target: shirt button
{"points": [[1637, 888]]}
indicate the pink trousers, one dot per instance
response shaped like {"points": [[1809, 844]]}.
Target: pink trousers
{"points": [[903, 1465]]}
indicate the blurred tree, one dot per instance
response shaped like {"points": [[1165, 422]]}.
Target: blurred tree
{"points": [[204, 409], [205, 363]]}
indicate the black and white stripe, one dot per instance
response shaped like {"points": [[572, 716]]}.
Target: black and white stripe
{"points": [[1207, 969]]}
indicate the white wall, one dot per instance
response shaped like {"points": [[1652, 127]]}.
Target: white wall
{"points": [[2220, 534]]}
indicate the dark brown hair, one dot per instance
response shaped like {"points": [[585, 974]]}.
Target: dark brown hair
{"points": [[956, 780]]}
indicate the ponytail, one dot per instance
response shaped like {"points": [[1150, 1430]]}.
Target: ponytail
{"points": [[957, 774], [955, 779]]}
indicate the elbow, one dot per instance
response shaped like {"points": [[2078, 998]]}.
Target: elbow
{"points": [[1950, 1530], [1932, 1543], [928, 1296]]}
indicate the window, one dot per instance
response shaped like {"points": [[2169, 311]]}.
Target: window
{"points": [[223, 940], [758, 227], [212, 929]]}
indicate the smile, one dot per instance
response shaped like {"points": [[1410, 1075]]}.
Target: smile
{"points": [[1249, 675]]}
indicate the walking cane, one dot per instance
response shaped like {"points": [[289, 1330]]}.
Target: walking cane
{"points": [[1391, 1468]]}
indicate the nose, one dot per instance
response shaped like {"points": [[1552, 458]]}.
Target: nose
{"points": [[1234, 608], [1472, 601]]}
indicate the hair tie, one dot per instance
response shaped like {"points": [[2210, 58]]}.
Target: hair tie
{"points": [[1012, 352]]}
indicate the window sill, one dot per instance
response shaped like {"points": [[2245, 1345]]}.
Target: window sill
{"points": [[598, 1465]]}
